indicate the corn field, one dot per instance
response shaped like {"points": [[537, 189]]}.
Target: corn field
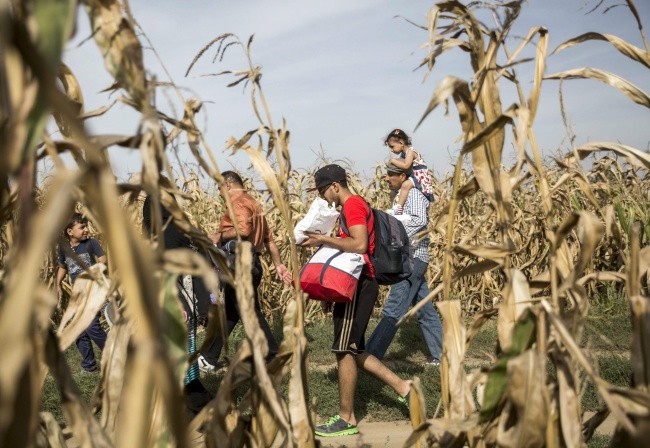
{"points": [[529, 245]]}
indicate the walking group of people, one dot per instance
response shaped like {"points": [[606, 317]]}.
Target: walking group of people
{"points": [[406, 174]]}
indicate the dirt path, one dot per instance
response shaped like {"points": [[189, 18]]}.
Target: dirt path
{"points": [[394, 434]]}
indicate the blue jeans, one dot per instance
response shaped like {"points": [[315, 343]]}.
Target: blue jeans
{"points": [[401, 296], [95, 333]]}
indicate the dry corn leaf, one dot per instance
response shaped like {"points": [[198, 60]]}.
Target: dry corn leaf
{"points": [[49, 432], [16, 308], [627, 88], [525, 376], [114, 360], [245, 293], [492, 251], [516, 298], [625, 48], [569, 401], [89, 294], [456, 396], [84, 425], [495, 393], [417, 407], [115, 37], [74, 94], [295, 341], [614, 403], [633, 156]]}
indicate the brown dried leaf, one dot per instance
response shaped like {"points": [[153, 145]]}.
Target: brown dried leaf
{"points": [[526, 405], [456, 396], [516, 298], [119, 45], [114, 359], [417, 408], [625, 48], [627, 88], [89, 294], [569, 402]]}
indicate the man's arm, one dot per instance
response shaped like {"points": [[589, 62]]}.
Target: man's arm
{"points": [[281, 269], [416, 206], [356, 243], [406, 162]]}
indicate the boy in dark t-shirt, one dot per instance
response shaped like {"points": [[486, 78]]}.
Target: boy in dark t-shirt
{"points": [[88, 252]]}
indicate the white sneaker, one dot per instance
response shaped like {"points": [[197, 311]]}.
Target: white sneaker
{"points": [[432, 363], [205, 366]]}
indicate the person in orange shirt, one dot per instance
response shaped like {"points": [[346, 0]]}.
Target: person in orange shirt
{"points": [[254, 228]]}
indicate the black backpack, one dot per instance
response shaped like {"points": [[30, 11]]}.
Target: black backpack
{"points": [[392, 257]]}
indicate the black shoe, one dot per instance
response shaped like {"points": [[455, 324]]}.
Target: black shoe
{"points": [[196, 396]]}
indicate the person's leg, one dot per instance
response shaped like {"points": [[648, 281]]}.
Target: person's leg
{"points": [[347, 374], [264, 325], [203, 301], [195, 394], [266, 329], [395, 306], [429, 323], [403, 195], [350, 323], [85, 346], [379, 370], [212, 352], [97, 333]]}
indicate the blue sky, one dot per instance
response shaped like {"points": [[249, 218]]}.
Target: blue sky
{"points": [[342, 74]]}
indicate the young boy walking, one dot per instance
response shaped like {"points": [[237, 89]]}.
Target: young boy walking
{"points": [[88, 252]]}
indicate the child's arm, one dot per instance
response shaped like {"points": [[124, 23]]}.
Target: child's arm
{"points": [[60, 275], [406, 162], [100, 255]]}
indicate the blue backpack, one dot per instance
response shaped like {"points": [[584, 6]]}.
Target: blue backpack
{"points": [[392, 257]]}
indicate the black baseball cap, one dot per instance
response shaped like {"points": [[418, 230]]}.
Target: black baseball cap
{"points": [[328, 175]]}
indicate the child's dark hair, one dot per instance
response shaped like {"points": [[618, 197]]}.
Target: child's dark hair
{"points": [[76, 218], [398, 134]]}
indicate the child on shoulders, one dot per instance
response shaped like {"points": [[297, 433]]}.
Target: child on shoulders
{"points": [[400, 144]]}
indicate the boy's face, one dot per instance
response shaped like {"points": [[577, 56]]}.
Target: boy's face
{"points": [[78, 232]]}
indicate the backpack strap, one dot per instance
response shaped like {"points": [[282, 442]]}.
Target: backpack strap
{"points": [[344, 225]]}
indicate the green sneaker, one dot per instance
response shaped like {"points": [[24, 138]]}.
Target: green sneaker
{"points": [[336, 426]]}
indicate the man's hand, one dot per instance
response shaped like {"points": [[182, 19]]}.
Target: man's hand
{"points": [[284, 274], [59, 291], [313, 239]]}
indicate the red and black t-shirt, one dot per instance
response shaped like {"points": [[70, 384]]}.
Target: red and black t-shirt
{"points": [[357, 212]]}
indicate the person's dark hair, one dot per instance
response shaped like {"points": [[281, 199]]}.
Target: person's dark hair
{"points": [[343, 183], [233, 177], [76, 218], [398, 134]]}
